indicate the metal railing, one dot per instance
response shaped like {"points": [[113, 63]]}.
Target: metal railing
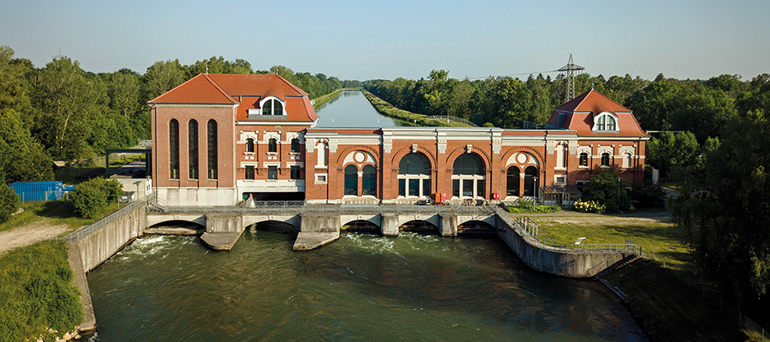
{"points": [[300, 207], [90, 229], [524, 227]]}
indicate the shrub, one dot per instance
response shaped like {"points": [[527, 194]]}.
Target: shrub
{"points": [[9, 201], [90, 197], [590, 207], [650, 195], [609, 190], [527, 206]]}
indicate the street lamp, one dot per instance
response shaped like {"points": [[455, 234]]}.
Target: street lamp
{"points": [[534, 192]]}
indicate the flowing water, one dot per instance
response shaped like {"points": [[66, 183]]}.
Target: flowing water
{"points": [[352, 109], [362, 287]]}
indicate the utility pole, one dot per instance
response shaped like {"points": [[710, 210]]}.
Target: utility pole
{"points": [[570, 69]]}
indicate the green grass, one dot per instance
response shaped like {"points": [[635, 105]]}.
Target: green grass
{"points": [[36, 293], [528, 208], [60, 212], [322, 100], [660, 240]]}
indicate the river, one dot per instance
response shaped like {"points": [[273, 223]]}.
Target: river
{"points": [[361, 287]]}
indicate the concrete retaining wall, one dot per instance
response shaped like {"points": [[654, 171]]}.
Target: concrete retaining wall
{"points": [[556, 261]]}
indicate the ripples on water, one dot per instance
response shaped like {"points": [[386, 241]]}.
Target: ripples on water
{"points": [[362, 287]]}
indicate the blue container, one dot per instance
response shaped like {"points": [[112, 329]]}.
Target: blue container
{"points": [[38, 191]]}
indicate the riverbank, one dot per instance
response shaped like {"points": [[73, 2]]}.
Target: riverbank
{"points": [[320, 101], [389, 110]]}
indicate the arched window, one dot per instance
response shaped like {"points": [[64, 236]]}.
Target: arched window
{"points": [[605, 159], [583, 159], [369, 182], [272, 145], [605, 122], [530, 181], [295, 145], [351, 180], [321, 155], [250, 145], [512, 188], [212, 149], [414, 175], [468, 176], [627, 160], [173, 141], [561, 156], [272, 107], [192, 137]]}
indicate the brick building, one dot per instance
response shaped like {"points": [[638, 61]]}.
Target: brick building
{"points": [[221, 139]]}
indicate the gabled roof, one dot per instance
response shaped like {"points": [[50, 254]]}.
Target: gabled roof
{"points": [[578, 115], [197, 90], [592, 101], [257, 85]]}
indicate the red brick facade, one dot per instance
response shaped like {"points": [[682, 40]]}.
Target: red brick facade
{"points": [[268, 148]]}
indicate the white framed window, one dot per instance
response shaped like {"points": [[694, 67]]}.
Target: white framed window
{"points": [[606, 122], [320, 178], [560, 180]]}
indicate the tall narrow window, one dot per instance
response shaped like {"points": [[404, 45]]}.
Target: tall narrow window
{"points": [[627, 160], [583, 160], [295, 172], [192, 137], [369, 182], [605, 159], [272, 172], [250, 145], [250, 172], [512, 188], [212, 149], [173, 141], [321, 154], [272, 146], [561, 156], [295, 145], [530, 181], [351, 180]]}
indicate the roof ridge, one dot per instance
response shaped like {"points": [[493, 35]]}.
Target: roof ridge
{"points": [[297, 89], [168, 91], [221, 91]]}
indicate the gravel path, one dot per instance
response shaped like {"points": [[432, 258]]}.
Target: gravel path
{"points": [[26, 235]]}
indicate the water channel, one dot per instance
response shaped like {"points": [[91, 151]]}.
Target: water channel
{"points": [[361, 287]]}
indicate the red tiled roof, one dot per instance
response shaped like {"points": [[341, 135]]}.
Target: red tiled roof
{"points": [[580, 112], [257, 85], [197, 90], [592, 101]]}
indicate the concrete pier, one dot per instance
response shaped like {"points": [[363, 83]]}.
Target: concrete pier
{"points": [[221, 241]]}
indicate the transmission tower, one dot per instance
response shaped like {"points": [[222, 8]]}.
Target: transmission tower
{"points": [[570, 69]]}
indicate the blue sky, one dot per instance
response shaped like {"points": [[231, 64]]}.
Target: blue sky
{"points": [[389, 39]]}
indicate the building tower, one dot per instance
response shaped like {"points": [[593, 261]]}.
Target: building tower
{"points": [[570, 69]]}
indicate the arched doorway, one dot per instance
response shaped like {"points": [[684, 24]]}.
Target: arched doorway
{"points": [[468, 177], [530, 181], [414, 176], [512, 179]]}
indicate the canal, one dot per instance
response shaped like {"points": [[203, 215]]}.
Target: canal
{"points": [[362, 287], [352, 109]]}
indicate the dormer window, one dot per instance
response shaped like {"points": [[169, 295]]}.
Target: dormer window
{"points": [[272, 107], [605, 122], [269, 108]]}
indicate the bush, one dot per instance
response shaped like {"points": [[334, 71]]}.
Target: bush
{"points": [[650, 195], [609, 190], [590, 207], [90, 197], [9, 201], [527, 206]]}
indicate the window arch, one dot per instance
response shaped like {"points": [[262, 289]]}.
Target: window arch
{"points": [[530, 181], [322, 147], [512, 188], [561, 156], [250, 145], [212, 149], [468, 176], [272, 107], [272, 145], [605, 122], [351, 180], [173, 141], [369, 182], [414, 175], [295, 145], [192, 150], [627, 160], [583, 160]]}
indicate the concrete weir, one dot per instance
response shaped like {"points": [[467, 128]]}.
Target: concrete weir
{"points": [[318, 226]]}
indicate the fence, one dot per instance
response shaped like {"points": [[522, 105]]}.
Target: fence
{"points": [[448, 118]]}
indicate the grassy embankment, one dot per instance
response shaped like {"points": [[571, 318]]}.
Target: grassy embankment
{"points": [[664, 294], [388, 110], [322, 100], [36, 293], [53, 213]]}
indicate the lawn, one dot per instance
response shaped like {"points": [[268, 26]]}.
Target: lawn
{"points": [[659, 238], [60, 212]]}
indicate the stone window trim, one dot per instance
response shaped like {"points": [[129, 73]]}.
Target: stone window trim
{"points": [[321, 178], [606, 122]]}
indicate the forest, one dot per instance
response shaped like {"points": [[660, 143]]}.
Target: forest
{"points": [[710, 138]]}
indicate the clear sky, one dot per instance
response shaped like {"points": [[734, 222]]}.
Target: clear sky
{"points": [[388, 39]]}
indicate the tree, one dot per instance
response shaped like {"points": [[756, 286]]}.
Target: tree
{"points": [[726, 210], [90, 197], [9, 201], [162, 77], [672, 151], [609, 189]]}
